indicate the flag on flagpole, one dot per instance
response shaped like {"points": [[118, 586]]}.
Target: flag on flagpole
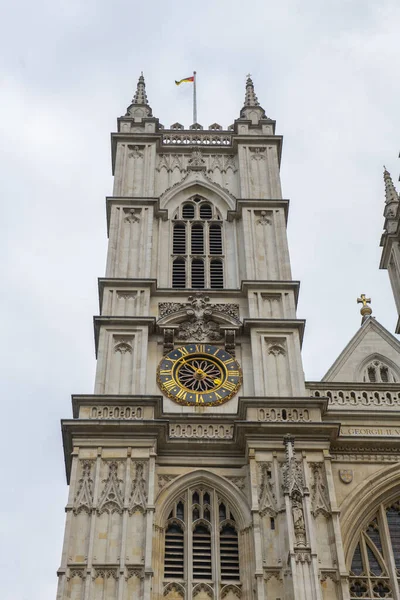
{"points": [[184, 80]]}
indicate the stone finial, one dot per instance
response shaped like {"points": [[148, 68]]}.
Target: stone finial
{"points": [[250, 97], [390, 191], [365, 311], [140, 106], [140, 96], [251, 109]]}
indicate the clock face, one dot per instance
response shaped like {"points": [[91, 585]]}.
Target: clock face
{"points": [[199, 374]]}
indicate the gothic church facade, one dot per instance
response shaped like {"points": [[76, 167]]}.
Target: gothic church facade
{"points": [[204, 466]]}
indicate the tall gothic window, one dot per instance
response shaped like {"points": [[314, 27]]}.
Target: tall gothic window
{"points": [[201, 540], [375, 566], [197, 246]]}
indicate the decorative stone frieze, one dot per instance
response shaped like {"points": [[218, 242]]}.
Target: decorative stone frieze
{"points": [[134, 572], [201, 431], [76, 572], [116, 412], [367, 454], [185, 138], [284, 415], [105, 572]]}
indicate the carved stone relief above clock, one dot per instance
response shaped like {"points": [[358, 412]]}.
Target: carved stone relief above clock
{"points": [[198, 320]]}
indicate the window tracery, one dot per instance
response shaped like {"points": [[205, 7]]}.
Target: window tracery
{"points": [[375, 566], [201, 540], [376, 371], [197, 246]]}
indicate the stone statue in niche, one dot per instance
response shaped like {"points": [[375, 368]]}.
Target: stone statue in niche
{"points": [[298, 520]]}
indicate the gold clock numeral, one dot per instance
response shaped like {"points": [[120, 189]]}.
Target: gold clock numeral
{"points": [[183, 351], [181, 394], [169, 384], [218, 396], [200, 348], [229, 386], [233, 373], [199, 399], [229, 361], [165, 371]]}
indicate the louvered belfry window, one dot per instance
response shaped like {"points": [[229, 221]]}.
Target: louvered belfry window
{"points": [[201, 540], [197, 246], [375, 564]]}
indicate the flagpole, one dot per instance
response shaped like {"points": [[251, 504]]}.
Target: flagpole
{"points": [[194, 98]]}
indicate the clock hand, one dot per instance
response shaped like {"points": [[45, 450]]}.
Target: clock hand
{"points": [[188, 364]]}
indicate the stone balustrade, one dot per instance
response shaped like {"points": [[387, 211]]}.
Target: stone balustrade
{"points": [[357, 396]]}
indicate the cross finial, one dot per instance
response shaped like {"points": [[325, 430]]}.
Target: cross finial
{"points": [[366, 311], [363, 300], [248, 75]]}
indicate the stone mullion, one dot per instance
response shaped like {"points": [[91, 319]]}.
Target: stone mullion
{"points": [[215, 556], [122, 553], [310, 533], [258, 553], [148, 570], [148, 243], [367, 575], [189, 545], [388, 551], [335, 515], [93, 523], [207, 254]]}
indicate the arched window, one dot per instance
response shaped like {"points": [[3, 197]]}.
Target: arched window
{"points": [[216, 274], [179, 273], [376, 371], [197, 273], [375, 564], [203, 546], [198, 238], [179, 239]]}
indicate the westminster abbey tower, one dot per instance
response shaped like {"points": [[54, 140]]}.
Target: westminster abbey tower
{"points": [[204, 466]]}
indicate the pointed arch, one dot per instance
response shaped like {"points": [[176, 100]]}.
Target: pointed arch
{"points": [[227, 491], [359, 507], [384, 361], [209, 190]]}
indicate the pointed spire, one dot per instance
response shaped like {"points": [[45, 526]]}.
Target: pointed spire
{"points": [[390, 191], [140, 96], [251, 109], [250, 97], [140, 105]]}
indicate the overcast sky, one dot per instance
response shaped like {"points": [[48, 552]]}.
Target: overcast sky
{"points": [[326, 71]]}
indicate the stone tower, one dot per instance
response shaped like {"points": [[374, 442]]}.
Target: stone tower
{"points": [[204, 467]]}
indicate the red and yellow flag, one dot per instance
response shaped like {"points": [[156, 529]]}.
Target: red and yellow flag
{"points": [[184, 80]]}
